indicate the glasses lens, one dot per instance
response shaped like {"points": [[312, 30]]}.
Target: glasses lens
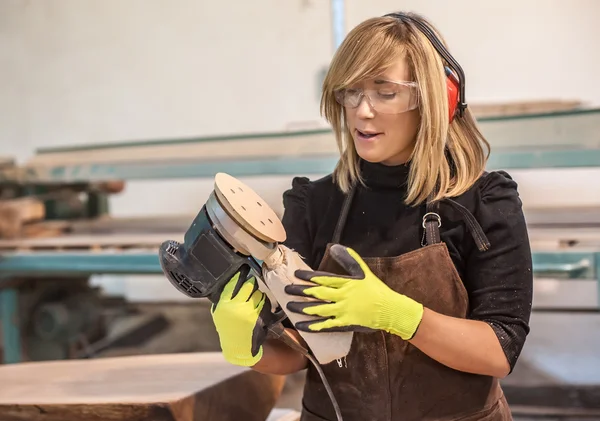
{"points": [[349, 97], [393, 98], [389, 98]]}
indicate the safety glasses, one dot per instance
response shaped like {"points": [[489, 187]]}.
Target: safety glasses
{"points": [[388, 97]]}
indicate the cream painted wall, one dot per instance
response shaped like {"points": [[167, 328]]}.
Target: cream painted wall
{"points": [[103, 71], [79, 72], [513, 49]]}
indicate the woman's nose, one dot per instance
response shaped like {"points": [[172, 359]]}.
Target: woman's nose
{"points": [[364, 109]]}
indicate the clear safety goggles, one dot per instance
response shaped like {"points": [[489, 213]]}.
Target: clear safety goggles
{"points": [[388, 98]]}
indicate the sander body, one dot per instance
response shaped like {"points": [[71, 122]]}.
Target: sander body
{"points": [[236, 228]]}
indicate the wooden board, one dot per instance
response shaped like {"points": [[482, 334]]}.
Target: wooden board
{"points": [[14, 213], [45, 229], [560, 238], [553, 226], [28, 208], [563, 216], [86, 242], [109, 224], [178, 387], [503, 109], [582, 237], [318, 144], [7, 162], [553, 414]]}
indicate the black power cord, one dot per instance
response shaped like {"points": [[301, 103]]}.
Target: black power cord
{"points": [[278, 330]]}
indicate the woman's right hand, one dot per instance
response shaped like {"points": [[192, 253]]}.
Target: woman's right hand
{"points": [[238, 317]]}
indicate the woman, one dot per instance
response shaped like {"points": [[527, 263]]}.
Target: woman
{"points": [[416, 248]]}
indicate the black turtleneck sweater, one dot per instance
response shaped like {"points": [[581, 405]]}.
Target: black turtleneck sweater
{"points": [[499, 281]]}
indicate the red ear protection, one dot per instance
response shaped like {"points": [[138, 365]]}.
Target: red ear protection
{"points": [[455, 85], [453, 92]]}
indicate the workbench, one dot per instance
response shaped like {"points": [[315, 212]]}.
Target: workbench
{"points": [[171, 387], [561, 253]]}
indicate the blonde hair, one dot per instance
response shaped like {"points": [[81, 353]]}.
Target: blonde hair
{"points": [[447, 158]]}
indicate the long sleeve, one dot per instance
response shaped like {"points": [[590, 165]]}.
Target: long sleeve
{"points": [[296, 218], [296, 222], [500, 280]]}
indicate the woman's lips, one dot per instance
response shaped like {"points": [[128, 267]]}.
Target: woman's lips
{"points": [[366, 136]]}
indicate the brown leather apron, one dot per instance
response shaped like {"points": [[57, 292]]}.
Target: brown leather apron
{"points": [[386, 378]]}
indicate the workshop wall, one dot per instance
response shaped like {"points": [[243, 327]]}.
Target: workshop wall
{"points": [[513, 50], [85, 72], [88, 72], [93, 72]]}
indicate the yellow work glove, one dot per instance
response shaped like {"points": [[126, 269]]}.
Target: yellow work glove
{"points": [[359, 301], [239, 317]]}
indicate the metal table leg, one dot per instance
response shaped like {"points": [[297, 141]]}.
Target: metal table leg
{"points": [[11, 332]]}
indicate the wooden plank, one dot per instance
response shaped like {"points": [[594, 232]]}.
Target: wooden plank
{"points": [[7, 162], [177, 387], [316, 144], [27, 208], [578, 234], [14, 213], [514, 108], [104, 225], [145, 224], [564, 215], [83, 242], [548, 412], [45, 229], [107, 236]]}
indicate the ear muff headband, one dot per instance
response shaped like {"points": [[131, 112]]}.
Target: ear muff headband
{"points": [[456, 87]]}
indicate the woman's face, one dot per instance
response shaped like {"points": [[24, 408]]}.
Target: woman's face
{"points": [[387, 138]]}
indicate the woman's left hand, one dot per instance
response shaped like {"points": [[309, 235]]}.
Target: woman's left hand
{"points": [[354, 302]]}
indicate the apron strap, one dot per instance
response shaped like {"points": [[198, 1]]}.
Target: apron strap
{"points": [[473, 226], [432, 222], [341, 223]]}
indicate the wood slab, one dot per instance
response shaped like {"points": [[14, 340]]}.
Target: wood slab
{"points": [[16, 212], [565, 215], [256, 147], [504, 109], [108, 224], [85, 242], [169, 387]]}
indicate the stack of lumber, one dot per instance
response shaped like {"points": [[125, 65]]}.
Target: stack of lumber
{"points": [[16, 214]]}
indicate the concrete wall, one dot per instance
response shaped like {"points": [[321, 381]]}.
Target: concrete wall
{"points": [[77, 72]]}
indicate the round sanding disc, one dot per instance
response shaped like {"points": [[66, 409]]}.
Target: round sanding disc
{"points": [[248, 208]]}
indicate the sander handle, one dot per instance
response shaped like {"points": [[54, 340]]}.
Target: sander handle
{"points": [[269, 318]]}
